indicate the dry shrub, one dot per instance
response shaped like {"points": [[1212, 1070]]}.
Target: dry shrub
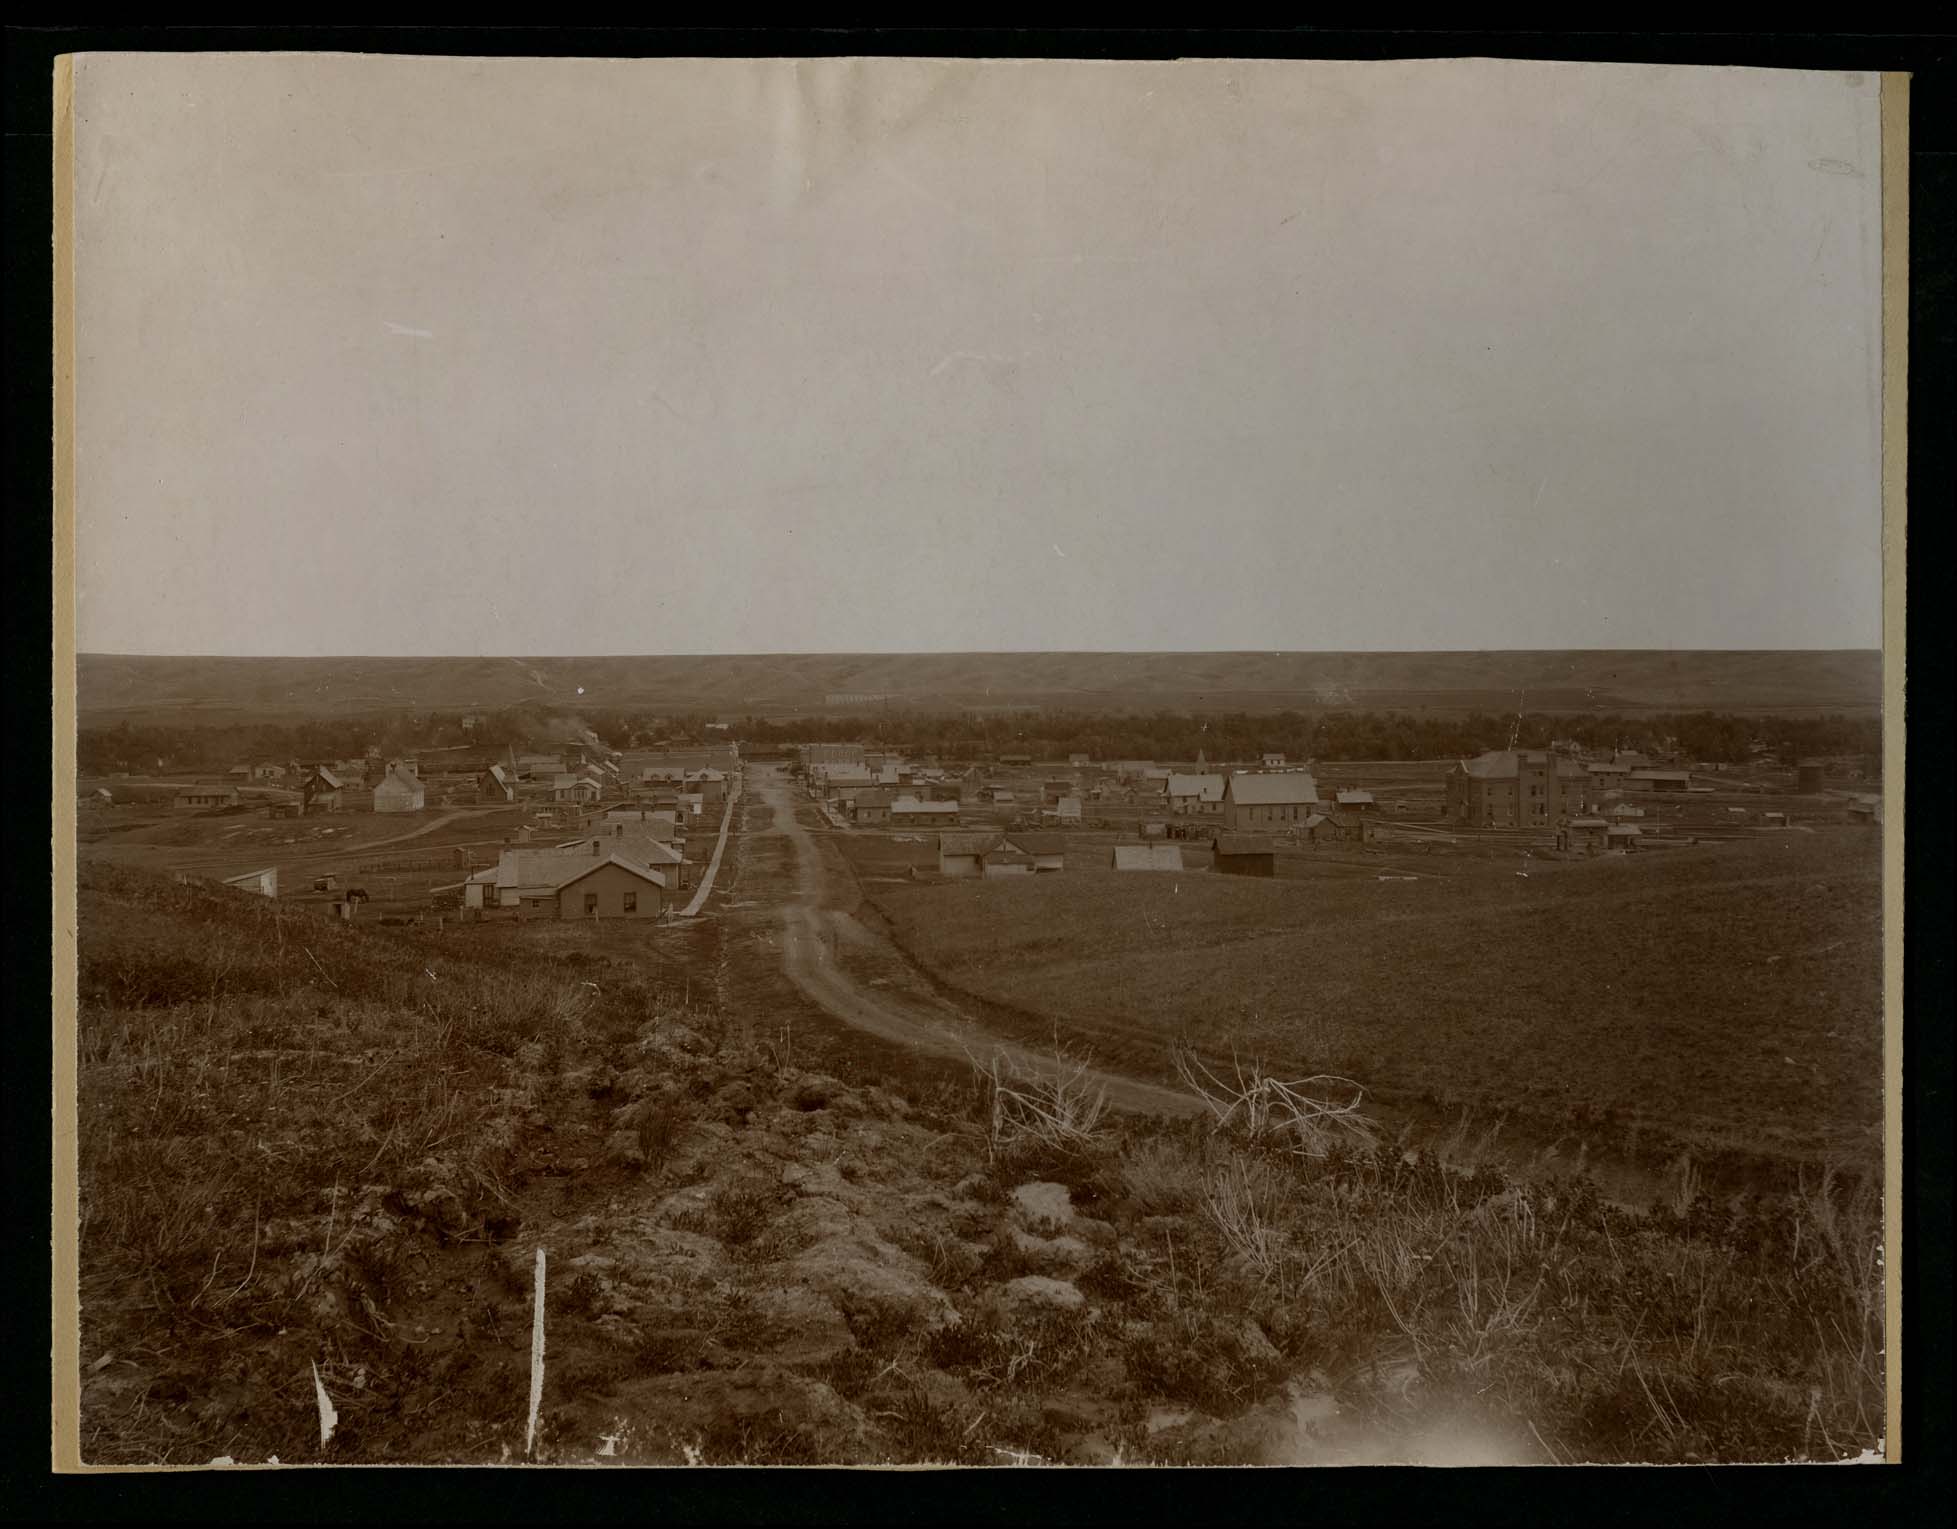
{"points": [[1055, 1110], [1297, 1115]]}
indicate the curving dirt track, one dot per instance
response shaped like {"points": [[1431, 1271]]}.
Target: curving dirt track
{"points": [[825, 951]]}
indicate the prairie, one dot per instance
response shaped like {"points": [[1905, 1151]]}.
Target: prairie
{"points": [[1728, 996], [317, 1155]]}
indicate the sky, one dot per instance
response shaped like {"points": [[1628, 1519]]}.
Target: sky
{"points": [[456, 356]]}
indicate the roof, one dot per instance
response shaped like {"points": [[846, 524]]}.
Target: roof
{"points": [[1272, 790], [1587, 823], [401, 778], [1244, 844], [322, 773], [232, 881], [556, 869], [1661, 775], [1069, 806], [1355, 798], [1148, 857], [1601, 768], [1315, 819], [644, 873], [972, 843], [1033, 843], [1208, 788], [923, 807], [1625, 830], [1008, 856], [1505, 764]]}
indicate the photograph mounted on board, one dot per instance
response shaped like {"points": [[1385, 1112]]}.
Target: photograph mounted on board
{"points": [[939, 761]]}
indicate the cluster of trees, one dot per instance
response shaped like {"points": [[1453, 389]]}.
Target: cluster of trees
{"points": [[1330, 735], [1326, 735]]}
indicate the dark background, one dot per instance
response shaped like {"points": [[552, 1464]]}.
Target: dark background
{"points": [[1544, 1496]]}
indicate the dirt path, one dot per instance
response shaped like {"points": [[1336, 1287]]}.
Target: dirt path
{"points": [[821, 943]]}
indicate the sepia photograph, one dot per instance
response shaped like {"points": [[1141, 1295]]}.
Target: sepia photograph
{"points": [[976, 762]]}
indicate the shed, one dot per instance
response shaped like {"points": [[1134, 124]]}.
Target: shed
{"points": [[1245, 854], [263, 883], [1148, 857], [1069, 809]]}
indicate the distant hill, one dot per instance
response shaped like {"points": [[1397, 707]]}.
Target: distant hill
{"points": [[115, 687]]}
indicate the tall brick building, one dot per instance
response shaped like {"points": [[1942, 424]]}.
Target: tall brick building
{"points": [[1515, 788]]}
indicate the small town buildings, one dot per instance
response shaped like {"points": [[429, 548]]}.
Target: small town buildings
{"points": [[1356, 801], [569, 883], [1079, 761], [1244, 854], [1515, 788], [613, 888], [967, 855], [1196, 795], [1623, 812], [1000, 796], [399, 791], [1068, 809], [1622, 836], [1584, 836], [573, 788], [1282, 799], [1658, 780], [630, 841], [914, 814], [263, 883], [814, 754], [963, 854], [268, 770], [496, 784], [867, 808], [1148, 857], [1607, 772], [709, 784], [202, 798], [322, 790], [1048, 851], [1015, 761], [1339, 826], [1273, 761]]}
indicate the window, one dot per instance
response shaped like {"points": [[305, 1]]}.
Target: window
{"points": [[631, 902], [590, 903]]}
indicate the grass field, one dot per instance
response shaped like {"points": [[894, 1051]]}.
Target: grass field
{"points": [[320, 1156], [1725, 995]]}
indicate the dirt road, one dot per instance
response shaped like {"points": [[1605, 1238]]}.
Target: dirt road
{"points": [[825, 950]]}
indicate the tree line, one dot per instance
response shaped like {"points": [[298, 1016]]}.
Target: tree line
{"points": [[1324, 735]]}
